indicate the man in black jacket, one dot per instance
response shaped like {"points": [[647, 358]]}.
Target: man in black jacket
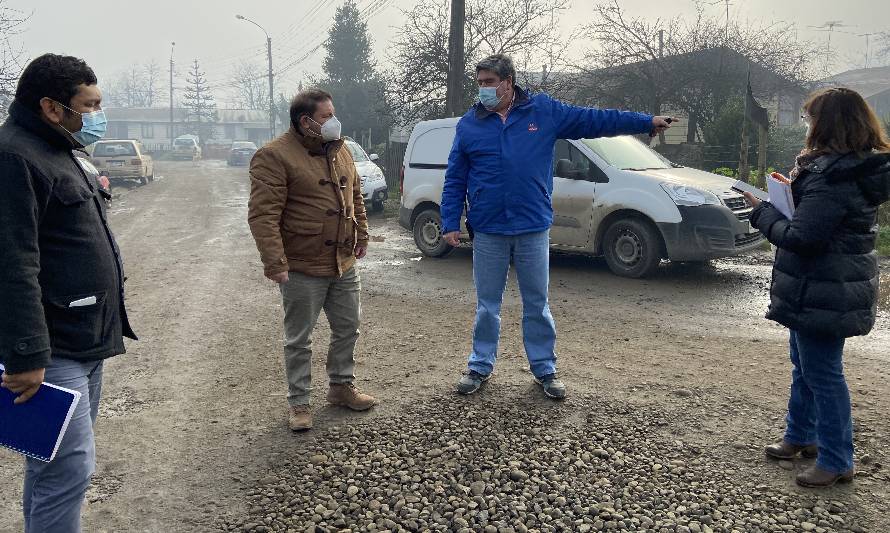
{"points": [[61, 275]]}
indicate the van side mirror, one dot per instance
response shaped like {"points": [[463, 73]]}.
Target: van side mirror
{"points": [[374, 157], [596, 174]]}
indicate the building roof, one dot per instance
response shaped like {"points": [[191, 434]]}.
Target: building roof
{"points": [[866, 81], [735, 66]]}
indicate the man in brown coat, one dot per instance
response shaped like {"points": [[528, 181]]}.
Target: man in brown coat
{"points": [[308, 220]]}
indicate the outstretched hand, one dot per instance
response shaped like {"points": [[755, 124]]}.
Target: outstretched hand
{"points": [[660, 124]]}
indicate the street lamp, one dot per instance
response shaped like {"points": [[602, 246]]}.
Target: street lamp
{"points": [[172, 135], [271, 92]]}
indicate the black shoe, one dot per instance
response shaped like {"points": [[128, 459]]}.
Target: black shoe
{"points": [[553, 387], [471, 381]]}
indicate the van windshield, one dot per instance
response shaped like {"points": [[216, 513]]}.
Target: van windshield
{"points": [[184, 142], [627, 153]]}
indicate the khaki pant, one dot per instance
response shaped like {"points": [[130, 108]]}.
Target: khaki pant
{"points": [[304, 297]]}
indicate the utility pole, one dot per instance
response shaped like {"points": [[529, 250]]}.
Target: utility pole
{"points": [[172, 135], [454, 90], [867, 44], [271, 85], [658, 101], [744, 168], [271, 92]]}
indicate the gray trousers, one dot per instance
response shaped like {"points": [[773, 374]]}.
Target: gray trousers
{"points": [[54, 491], [304, 297]]}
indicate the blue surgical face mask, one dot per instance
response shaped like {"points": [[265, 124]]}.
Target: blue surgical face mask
{"points": [[488, 97], [95, 125]]}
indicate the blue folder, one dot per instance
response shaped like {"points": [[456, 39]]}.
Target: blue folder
{"points": [[36, 427]]}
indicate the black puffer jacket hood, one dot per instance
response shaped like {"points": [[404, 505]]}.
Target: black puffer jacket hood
{"points": [[871, 174]]}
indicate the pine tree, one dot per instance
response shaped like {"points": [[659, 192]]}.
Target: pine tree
{"points": [[350, 77], [198, 100], [348, 58]]}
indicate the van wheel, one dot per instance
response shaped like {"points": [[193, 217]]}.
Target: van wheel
{"points": [[632, 248], [143, 180], [428, 234]]}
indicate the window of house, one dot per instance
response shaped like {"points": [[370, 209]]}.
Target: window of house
{"points": [[148, 131]]}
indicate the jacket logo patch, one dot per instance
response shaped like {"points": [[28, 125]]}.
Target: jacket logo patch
{"points": [[532, 126]]}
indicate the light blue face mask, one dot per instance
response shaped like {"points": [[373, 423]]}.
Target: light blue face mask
{"points": [[488, 97], [95, 125]]}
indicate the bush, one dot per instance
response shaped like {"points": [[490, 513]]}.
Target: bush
{"points": [[883, 245]]}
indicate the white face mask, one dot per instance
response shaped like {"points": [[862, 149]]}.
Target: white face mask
{"points": [[330, 130]]}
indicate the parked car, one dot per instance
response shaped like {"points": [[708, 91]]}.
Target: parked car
{"points": [[614, 197], [101, 180], [240, 153], [374, 189], [123, 159], [186, 147]]}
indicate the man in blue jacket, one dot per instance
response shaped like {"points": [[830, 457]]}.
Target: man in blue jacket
{"points": [[501, 165]]}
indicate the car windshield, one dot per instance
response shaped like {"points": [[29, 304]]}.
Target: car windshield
{"points": [[114, 149], [243, 145], [627, 153], [357, 153], [183, 142]]}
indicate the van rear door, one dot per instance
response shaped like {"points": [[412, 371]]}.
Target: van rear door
{"points": [[427, 162]]}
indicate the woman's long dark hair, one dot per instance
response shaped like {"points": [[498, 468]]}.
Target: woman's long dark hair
{"points": [[842, 122]]}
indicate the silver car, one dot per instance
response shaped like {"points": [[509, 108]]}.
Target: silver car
{"points": [[374, 188]]}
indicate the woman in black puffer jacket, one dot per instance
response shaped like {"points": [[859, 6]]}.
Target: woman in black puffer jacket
{"points": [[825, 278]]}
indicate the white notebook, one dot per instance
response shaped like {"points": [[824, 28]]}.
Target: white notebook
{"points": [[780, 196]]}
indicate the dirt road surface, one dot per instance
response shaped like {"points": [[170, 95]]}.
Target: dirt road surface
{"points": [[192, 427]]}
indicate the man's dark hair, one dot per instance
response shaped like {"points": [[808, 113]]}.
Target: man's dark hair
{"points": [[500, 64], [53, 76], [306, 103]]}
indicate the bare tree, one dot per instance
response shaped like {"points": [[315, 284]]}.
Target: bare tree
{"points": [[250, 86], [416, 83], [154, 90], [694, 67], [140, 86], [883, 46], [11, 22]]}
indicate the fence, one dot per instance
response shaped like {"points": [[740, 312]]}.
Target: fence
{"points": [[391, 162]]}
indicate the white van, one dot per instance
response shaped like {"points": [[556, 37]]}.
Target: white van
{"points": [[614, 197]]}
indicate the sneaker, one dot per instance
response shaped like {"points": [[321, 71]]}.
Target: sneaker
{"points": [[346, 395], [553, 387], [471, 381], [299, 418]]}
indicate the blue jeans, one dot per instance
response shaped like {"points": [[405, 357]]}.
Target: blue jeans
{"points": [[819, 408], [54, 491], [491, 262]]}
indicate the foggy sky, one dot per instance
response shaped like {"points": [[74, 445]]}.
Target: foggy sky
{"points": [[113, 34]]}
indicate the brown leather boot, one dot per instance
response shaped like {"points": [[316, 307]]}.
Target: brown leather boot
{"points": [[300, 418], [786, 450], [816, 478], [346, 395]]}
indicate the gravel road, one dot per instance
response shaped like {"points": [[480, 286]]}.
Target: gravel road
{"points": [[675, 384]]}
